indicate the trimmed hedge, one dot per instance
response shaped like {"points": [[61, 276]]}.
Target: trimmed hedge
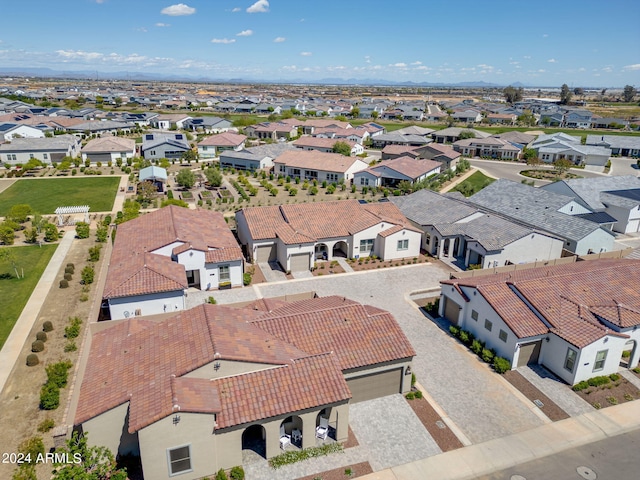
{"points": [[41, 336], [37, 346], [32, 360], [290, 457], [47, 326], [499, 364]]}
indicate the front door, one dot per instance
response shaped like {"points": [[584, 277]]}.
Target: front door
{"points": [[193, 278]]}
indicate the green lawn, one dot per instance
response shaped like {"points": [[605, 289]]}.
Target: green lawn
{"points": [[45, 195], [15, 292], [474, 184]]}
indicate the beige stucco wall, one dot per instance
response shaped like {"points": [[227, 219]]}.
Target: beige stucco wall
{"points": [[110, 430], [382, 367]]}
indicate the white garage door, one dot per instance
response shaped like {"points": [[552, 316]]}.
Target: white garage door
{"points": [[300, 262]]}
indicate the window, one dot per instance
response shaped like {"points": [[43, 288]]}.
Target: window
{"points": [[366, 245], [223, 273], [403, 244], [364, 181], [601, 357], [45, 156], [570, 359], [503, 336], [488, 324], [31, 155], [474, 315], [179, 460]]}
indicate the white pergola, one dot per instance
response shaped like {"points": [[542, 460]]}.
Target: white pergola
{"points": [[61, 212]]}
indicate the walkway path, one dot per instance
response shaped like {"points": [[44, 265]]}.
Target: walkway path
{"points": [[343, 263], [498, 454], [12, 348]]}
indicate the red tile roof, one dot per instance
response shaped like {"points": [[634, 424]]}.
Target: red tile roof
{"points": [[569, 299], [227, 139], [145, 363], [319, 142], [316, 160], [308, 222], [408, 166]]}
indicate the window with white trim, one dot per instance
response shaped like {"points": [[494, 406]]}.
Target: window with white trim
{"points": [[601, 358], [179, 460], [366, 245], [503, 336], [570, 359], [223, 273], [403, 244]]}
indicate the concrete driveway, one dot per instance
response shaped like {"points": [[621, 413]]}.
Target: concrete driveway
{"points": [[473, 397]]}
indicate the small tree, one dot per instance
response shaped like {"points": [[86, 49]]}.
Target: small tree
{"points": [[146, 192], [87, 463], [464, 134], [87, 275], [628, 93], [19, 213], [342, 148], [82, 230], [565, 94], [214, 177], [189, 156], [562, 165], [50, 232], [102, 233], [186, 178]]}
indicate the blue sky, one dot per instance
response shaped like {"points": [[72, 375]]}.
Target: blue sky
{"points": [[540, 43]]}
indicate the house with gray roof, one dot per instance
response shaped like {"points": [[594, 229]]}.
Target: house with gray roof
{"points": [[546, 211], [254, 158], [622, 145], [617, 197], [562, 146], [10, 130], [46, 149], [467, 235], [452, 134], [380, 141], [164, 145], [209, 125]]}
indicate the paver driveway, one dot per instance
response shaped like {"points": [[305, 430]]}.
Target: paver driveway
{"points": [[470, 393]]}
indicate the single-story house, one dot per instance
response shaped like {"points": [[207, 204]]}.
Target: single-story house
{"points": [[158, 256], [46, 149], [297, 235], [452, 134], [195, 389], [622, 145], [545, 211], [109, 149], [574, 319], [617, 197], [169, 120], [326, 144], [164, 145], [9, 131], [467, 235], [391, 172], [487, 147], [467, 116], [214, 145], [101, 127], [254, 158], [390, 152], [502, 118], [272, 130], [308, 126], [382, 140], [315, 165], [606, 122], [357, 135], [562, 146], [415, 130], [578, 119], [208, 124], [444, 154]]}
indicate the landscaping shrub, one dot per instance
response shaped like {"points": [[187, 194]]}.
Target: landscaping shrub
{"points": [[246, 279], [237, 473], [221, 475], [82, 230], [598, 381], [417, 394], [487, 355], [49, 397], [477, 347], [211, 300], [292, 456], [455, 331], [47, 326], [94, 253], [70, 270], [501, 365], [41, 336], [31, 448], [37, 346], [70, 347], [466, 337], [64, 284], [71, 265], [46, 425], [583, 385], [68, 276], [87, 275], [410, 396], [32, 360], [57, 373], [614, 377], [73, 330]]}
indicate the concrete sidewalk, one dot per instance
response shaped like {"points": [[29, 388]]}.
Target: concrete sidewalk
{"points": [[20, 332], [484, 458]]}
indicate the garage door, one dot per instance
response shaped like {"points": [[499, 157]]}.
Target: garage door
{"points": [[529, 353], [100, 157], [300, 262], [451, 310], [266, 253], [375, 385]]}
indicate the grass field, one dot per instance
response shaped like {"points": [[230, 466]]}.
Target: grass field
{"points": [[15, 292], [45, 195], [473, 184]]}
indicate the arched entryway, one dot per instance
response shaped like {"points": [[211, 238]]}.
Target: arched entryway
{"points": [[630, 354], [255, 438], [340, 249], [327, 419], [321, 251], [291, 430]]}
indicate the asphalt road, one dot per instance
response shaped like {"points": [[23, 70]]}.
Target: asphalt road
{"points": [[613, 458]]}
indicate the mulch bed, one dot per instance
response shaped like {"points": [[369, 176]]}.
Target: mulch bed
{"points": [[356, 470], [550, 409], [258, 276], [444, 437], [620, 391], [329, 268], [366, 263]]}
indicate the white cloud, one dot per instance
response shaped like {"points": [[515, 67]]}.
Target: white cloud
{"points": [[367, 59], [306, 54], [178, 10], [607, 69], [141, 29], [290, 68], [399, 65], [485, 66], [245, 33], [261, 6], [582, 69], [552, 60], [237, 9], [514, 63], [160, 24], [635, 66], [100, 1], [541, 70], [417, 62], [79, 55], [223, 40], [279, 39], [527, 57]]}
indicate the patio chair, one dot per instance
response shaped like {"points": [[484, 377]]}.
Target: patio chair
{"points": [[323, 429], [284, 438]]}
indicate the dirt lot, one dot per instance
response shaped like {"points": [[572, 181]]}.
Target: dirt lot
{"points": [[19, 401]]}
